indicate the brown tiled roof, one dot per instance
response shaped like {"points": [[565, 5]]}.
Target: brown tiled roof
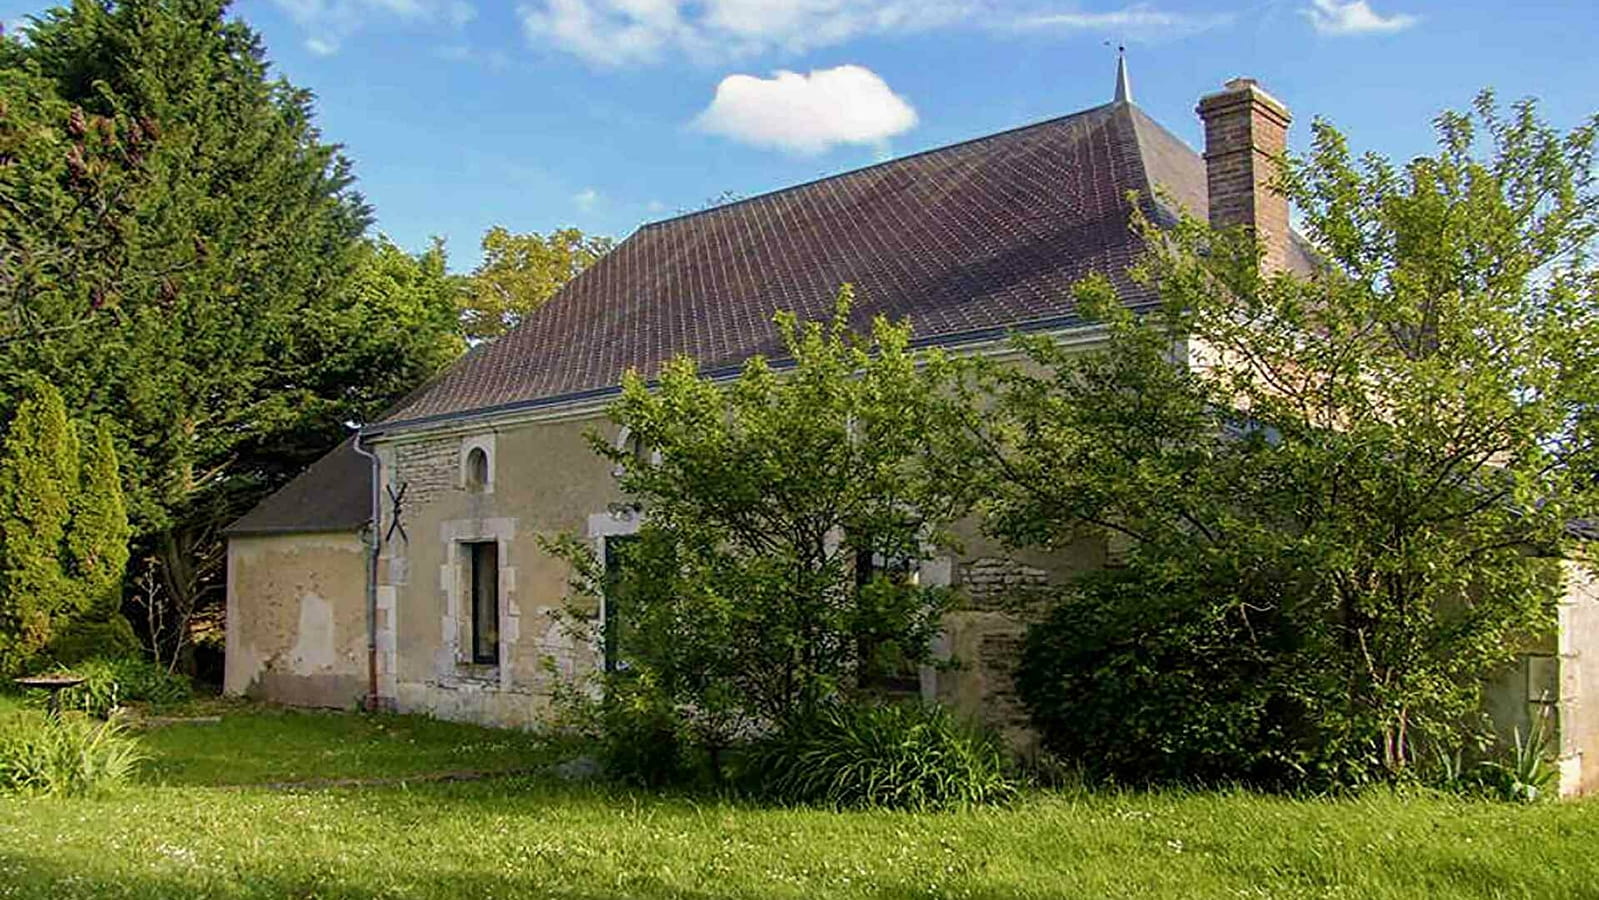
{"points": [[334, 494], [982, 236]]}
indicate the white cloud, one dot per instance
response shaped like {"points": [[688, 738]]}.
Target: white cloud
{"points": [[617, 32], [587, 199], [808, 114], [620, 32], [1141, 20], [1354, 17], [327, 23]]}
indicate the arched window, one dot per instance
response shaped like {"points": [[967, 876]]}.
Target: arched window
{"points": [[477, 469]]}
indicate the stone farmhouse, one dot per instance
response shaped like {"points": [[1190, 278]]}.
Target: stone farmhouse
{"points": [[404, 569]]}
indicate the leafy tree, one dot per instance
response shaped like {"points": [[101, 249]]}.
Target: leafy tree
{"points": [[750, 595], [1340, 486], [391, 326], [520, 272]]}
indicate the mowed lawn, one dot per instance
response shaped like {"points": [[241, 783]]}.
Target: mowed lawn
{"points": [[178, 834]]}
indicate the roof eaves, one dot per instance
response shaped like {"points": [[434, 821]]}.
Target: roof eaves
{"points": [[1065, 322]]}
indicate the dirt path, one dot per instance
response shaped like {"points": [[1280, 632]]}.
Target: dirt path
{"points": [[317, 784]]}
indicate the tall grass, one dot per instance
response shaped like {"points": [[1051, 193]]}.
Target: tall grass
{"points": [[897, 756], [71, 755]]}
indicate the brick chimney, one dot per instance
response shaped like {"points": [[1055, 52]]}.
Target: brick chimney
{"points": [[1245, 129]]}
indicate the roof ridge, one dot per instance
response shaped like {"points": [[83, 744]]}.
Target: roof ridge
{"points": [[743, 201]]}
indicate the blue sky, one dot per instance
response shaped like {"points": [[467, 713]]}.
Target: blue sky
{"points": [[605, 114]]}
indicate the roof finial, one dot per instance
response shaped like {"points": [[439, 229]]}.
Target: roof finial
{"points": [[1124, 90]]}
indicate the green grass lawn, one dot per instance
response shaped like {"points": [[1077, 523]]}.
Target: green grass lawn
{"points": [[179, 836], [255, 745]]}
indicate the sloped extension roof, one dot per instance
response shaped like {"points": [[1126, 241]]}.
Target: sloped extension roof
{"points": [[334, 494], [982, 236]]}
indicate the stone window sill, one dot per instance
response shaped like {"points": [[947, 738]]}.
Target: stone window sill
{"points": [[487, 673]]}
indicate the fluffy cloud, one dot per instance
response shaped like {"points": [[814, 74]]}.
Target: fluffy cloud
{"points": [[1354, 17], [619, 32], [327, 23], [807, 114], [586, 199]]}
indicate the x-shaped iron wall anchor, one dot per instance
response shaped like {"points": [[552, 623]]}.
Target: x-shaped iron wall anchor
{"points": [[396, 499]]}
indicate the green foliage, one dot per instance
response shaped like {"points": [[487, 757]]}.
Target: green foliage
{"points": [[112, 683], [747, 597], [637, 739], [1524, 775], [91, 637], [97, 541], [1351, 479], [63, 532], [68, 756], [1143, 678], [520, 272], [892, 756], [189, 267], [38, 483], [235, 220]]}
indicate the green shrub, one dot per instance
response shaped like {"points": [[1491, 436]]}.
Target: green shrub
{"points": [[1520, 773], [111, 683], [68, 756], [899, 756], [1138, 676], [1524, 774], [85, 639], [641, 745], [635, 738]]}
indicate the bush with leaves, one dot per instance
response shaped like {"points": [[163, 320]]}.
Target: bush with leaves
{"points": [[1518, 773], [38, 483], [112, 683], [778, 511], [894, 756], [1148, 677], [636, 740], [89, 638], [70, 755], [1355, 474]]}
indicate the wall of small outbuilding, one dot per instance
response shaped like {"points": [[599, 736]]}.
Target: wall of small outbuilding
{"points": [[296, 619]]}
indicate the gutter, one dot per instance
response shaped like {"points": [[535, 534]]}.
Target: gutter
{"points": [[375, 545]]}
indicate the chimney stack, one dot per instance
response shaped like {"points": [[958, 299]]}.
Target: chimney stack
{"points": [[1245, 130]]}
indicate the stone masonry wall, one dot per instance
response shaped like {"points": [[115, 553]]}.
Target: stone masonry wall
{"points": [[991, 627], [426, 468], [991, 583]]}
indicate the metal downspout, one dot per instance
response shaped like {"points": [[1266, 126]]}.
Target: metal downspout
{"points": [[375, 545]]}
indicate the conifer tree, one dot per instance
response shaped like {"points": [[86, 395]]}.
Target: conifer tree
{"points": [[38, 478], [97, 536]]}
